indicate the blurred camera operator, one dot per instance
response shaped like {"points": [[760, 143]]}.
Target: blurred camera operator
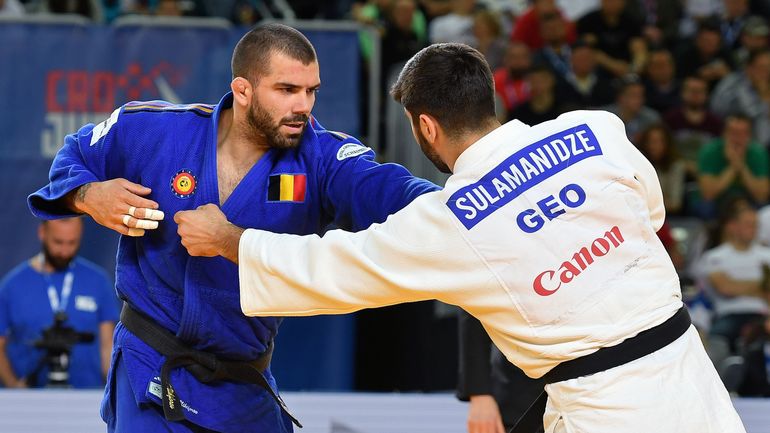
{"points": [[56, 281]]}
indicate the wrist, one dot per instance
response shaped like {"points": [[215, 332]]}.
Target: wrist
{"points": [[230, 241], [76, 199]]}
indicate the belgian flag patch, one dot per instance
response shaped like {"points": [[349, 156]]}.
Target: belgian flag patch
{"points": [[287, 187]]}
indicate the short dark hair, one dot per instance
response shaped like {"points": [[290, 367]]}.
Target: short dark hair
{"points": [[251, 56], [451, 82]]}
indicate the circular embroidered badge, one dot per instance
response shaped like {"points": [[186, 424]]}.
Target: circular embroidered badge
{"points": [[183, 184]]}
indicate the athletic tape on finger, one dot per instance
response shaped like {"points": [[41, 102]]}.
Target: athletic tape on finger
{"points": [[152, 214], [126, 219], [135, 232], [147, 224], [131, 211]]}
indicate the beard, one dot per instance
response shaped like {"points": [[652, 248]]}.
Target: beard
{"points": [[429, 152], [59, 263], [260, 124]]}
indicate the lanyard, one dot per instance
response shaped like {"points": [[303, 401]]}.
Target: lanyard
{"points": [[57, 304]]}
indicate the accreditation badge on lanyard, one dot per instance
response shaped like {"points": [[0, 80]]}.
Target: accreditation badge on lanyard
{"points": [[60, 304]]}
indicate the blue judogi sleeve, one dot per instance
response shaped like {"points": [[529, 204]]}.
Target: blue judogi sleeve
{"points": [[90, 155], [358, 191]]}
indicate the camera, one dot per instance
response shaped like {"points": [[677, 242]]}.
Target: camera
{"points": [[58, 340]]}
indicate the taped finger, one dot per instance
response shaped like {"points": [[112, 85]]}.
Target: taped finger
{"points": [[149, 214], [131, 210], [127, 220], [146, 224]]}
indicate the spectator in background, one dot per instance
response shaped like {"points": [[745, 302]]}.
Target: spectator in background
{"points": [[53, 281], [660, 20], [748, 92], [616, 36], [488, 33], [705, 56], [691, 123], [731, 21], [528, 27], [661, 86], [732, 166], [400, 41], [584, 86], [542, 104], [375, 12], [736, 276], [753, 38], [556, 52], [657, 145], [510, 83], [456, 26], [11, 8], [629, 106]]}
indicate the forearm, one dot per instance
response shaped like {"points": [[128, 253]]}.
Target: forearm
{"points": [[7, 376], [712, 186], [758, 187], [231, 237], [75, 199]]}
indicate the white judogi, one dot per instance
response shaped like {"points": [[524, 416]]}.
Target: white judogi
{"points": [[547, 235]]}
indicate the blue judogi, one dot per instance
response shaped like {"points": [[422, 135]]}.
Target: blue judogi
{"points": [[329, 178], [26, 310]]}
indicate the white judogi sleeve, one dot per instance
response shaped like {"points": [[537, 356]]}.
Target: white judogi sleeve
{"points": [[416, 254]]}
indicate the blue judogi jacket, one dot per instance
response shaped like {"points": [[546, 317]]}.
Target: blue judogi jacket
{"points": [[329, 178]]}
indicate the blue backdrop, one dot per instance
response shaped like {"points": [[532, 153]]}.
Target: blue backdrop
{"points": [[57, 77]]}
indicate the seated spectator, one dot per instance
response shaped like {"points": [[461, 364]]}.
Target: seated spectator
{"points": [[456, 26], [735, 274], [11, 8], [756, 357], [660, 19], [731, 21], [400, 40], [528, 27], [691, 123], [489, 37], [657, 145], [556, 52], [661, 86], [705, 56], [629, 106], [542, 104], [753, 38], [616, 36], [584, 85], [375, 12], [510, 83], [748, 92], [732, 166]]}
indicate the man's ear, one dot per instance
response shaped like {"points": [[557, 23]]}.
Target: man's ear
{"points": [[429, 127], [242, 90]]}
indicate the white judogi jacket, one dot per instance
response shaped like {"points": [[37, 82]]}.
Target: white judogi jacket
{"points": [[546, 234]]}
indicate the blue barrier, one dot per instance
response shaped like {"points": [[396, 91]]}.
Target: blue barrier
{"points": [[58, 76]]}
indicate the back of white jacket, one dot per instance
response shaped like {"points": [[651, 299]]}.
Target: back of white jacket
{"points": [[546, 234]]}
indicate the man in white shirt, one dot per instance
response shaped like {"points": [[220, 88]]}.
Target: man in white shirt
{"points": [[546, 234], [736, 276]]}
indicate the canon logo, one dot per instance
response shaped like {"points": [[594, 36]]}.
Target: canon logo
{"points": [[548, 282]]}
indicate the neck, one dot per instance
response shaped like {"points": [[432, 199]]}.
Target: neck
{"points": [[740, 245], [454, 151], [232, 141], [40, 264]]}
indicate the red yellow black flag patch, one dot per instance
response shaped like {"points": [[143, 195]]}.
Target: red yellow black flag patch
{"points": [[286, 187]]}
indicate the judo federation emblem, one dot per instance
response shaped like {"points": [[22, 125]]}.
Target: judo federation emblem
{"points": [[183, 184]]}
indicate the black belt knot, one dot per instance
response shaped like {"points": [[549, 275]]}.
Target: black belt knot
{"points": [[205, 366]]}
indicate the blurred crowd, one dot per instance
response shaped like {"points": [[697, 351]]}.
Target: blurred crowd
{"points": [[689, 78]]}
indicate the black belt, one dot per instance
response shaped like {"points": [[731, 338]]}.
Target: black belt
{"points": [[205, 366], [633, 348]]}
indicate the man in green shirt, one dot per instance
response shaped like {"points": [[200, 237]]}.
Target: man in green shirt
{"points": [[733, 165]]}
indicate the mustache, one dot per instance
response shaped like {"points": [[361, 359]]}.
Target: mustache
{"points": [[296, 119]]}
